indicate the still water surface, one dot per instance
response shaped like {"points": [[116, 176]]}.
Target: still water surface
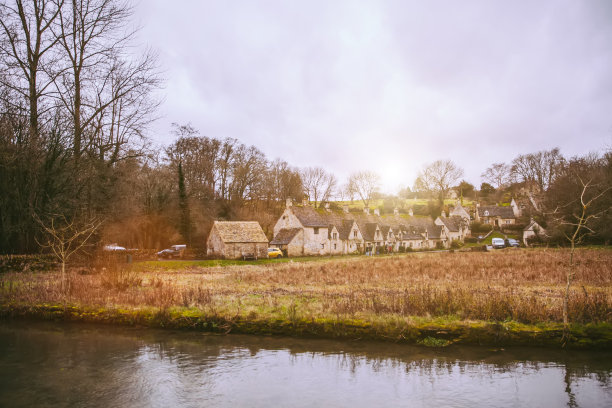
{"points": [[92, 366]]}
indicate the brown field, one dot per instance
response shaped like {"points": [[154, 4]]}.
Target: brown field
{"points": [[523, 286]]}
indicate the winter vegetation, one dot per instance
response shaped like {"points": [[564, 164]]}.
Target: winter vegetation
{"points": [[504, 297], [78, 171]]}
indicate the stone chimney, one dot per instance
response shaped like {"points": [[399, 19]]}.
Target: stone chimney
{"points": [[377, 212], [304, 202], [395, 211], [410, 212], [288, 202], [345, 208], [327, 207], [366, 210]]}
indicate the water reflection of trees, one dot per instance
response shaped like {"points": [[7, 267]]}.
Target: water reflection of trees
{"points": [[192, 361]]}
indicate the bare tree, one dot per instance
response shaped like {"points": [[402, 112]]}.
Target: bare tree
{"points": [[99, 74], [498, 174], [282, 182], [540, 168], [582, 194], [65, 237], [26, 48], [364, 184], [318, 184], [438, 177]]}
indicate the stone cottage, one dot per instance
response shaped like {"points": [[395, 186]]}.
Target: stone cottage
{"points": [[533, 229], [237, 240], [456, 228], [496, 215], [312, 237]]}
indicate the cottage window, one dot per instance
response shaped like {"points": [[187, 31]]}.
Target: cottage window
{"points": [[335, 236], [354, 234], [335, 246], [284, 217], [322, 246], [316, 230], [486, 213]]}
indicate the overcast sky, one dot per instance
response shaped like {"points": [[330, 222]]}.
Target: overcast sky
{"points": [[386, 86]]}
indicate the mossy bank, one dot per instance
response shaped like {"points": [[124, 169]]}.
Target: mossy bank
{"points": [[425, 332]]}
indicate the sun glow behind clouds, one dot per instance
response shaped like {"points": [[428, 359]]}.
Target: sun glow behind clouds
{"points": [[394, 176]]}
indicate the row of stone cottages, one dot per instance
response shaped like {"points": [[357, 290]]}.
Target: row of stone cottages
{"points": [[304, 230]]}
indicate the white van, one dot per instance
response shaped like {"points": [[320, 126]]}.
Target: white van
{"points": [[498, 243]]}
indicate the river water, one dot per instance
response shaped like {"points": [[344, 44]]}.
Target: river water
{"points": [[61, 365]]}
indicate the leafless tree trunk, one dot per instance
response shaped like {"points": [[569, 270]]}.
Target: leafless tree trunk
{"points": [[578, 224], [26, 48], [98, 77]]}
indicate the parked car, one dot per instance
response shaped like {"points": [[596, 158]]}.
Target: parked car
{"points": [[175, 251], [113, 248], [511, 242], [275, 253], [498, 243]]}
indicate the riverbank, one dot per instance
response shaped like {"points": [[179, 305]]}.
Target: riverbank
{"points": [[502, 298]]}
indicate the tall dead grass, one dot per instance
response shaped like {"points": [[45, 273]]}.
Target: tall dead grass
{"points": [[524, 286]]}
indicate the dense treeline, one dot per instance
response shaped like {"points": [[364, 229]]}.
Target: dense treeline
{"points": [[75, 103]]}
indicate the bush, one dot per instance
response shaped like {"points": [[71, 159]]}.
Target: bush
{"points": [[471, 240], [402, 248], [439, 245], [480, 227], [513, 227], [456, 244], [23, 263]]}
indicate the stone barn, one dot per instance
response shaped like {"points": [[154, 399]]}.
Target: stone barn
{"points": [[237, 240]]}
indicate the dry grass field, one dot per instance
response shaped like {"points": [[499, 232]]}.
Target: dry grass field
{"points": [[524, 286]]}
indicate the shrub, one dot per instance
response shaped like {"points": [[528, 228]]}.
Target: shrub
{"points": [[471, 240], [480, 227], [456, 244], [439, 245], [513, 227]]}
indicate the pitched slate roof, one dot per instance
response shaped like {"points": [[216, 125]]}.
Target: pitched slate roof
{"points": [[309, 217], [411, 233], [240, 231], [453, 223], [285, 236], [344, 229], [460, 211], [495, 211], [434, 231], [370, 231]]}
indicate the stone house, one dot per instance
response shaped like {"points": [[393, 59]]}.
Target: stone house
{"points": [[411, 237], [496, 215], [314, 236], [236, 240], [531, 230], [456, 228]]}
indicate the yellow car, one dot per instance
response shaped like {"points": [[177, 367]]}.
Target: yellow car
{"points": [[275, 253]]}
